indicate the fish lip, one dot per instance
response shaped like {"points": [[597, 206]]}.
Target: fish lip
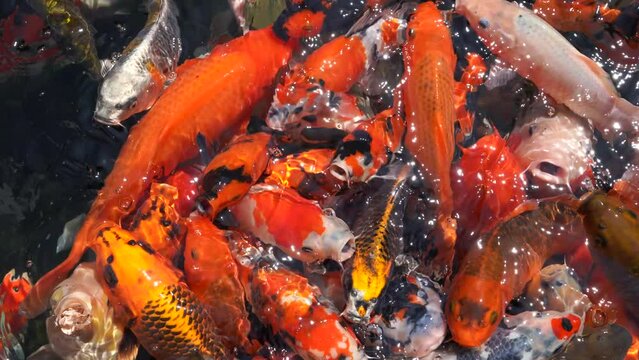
{"points": [[104, 120]]}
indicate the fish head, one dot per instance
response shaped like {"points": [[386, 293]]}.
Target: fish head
{"points": [[337, 242], [358, 309], [474, 309], [124, 93], [15, 288]]}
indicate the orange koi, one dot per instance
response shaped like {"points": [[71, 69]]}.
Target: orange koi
{"points": [[238, 73], [290, 171], [211, 273], [147, 292], [158, 222], [13, 291], [584, 16], [290, 305], [472, 76], [231, 173], [499, 266], [314, 235], [309, 92], [429, 64], [488, 184], [358, 157]]}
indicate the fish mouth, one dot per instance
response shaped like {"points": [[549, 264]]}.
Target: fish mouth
{"points": [[105, 120]]}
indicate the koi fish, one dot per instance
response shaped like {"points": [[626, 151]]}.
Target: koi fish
{"points": [[529, 335], [239, 72], [584, 16], [290, 171], [412, 316], [429, 65], [229, 176], [82, 324], [137, 78], [627, 189], [315, 235], [313, 92], [488, 184], [557, 289], [158, 222], [499, 266], [359, 155], [72, 29], [25, 45], [211, 273], [186, 180], [571, 79], [290, 305], [607, 342], [613, 232], [378, 240], [555, 148], [166, 317], [13, 291]]}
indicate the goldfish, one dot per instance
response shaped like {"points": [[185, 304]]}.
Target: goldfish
{"points": [[428, 95], [158, 222], [535, 141], [358, 156], [291, 170], [72, 29], [315, 235], [412, 316], [166, 317], [137, 78], [378, 240], [482, 201], [229, 176], [83, 322], [612, 231], [211, 273], [499, 265], [529, 335], [239, 72], [586, 16], [291, 307], [314, 91], [13, 290], [571, 78]]}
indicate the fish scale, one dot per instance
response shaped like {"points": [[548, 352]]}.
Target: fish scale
{"points": [[377, 241]]}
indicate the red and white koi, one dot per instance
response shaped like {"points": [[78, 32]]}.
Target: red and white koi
{"points": [[298, 226]]}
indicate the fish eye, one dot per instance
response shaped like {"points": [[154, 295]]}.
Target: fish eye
{"points": [[133, 104], [16, 289], [493, 317], [307, 249]]}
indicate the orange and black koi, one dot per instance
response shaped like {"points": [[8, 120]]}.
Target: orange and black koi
{"points": [[290, 306], [239, 73], [358, 157], [166, 317], [232, 172], [158, 222], [290, 171], [211, 273], [499, 266]]}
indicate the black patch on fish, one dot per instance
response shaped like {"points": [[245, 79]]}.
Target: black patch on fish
{"points": [[146, 247], [131, 242], [361, 144], [323, 135], [566, 324], [110, 277], [215, 180], [483, 23], [310, 118], [110, 259], [226, 220]]}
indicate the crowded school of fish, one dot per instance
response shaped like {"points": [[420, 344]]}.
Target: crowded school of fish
{"points": [[269, 205]]}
